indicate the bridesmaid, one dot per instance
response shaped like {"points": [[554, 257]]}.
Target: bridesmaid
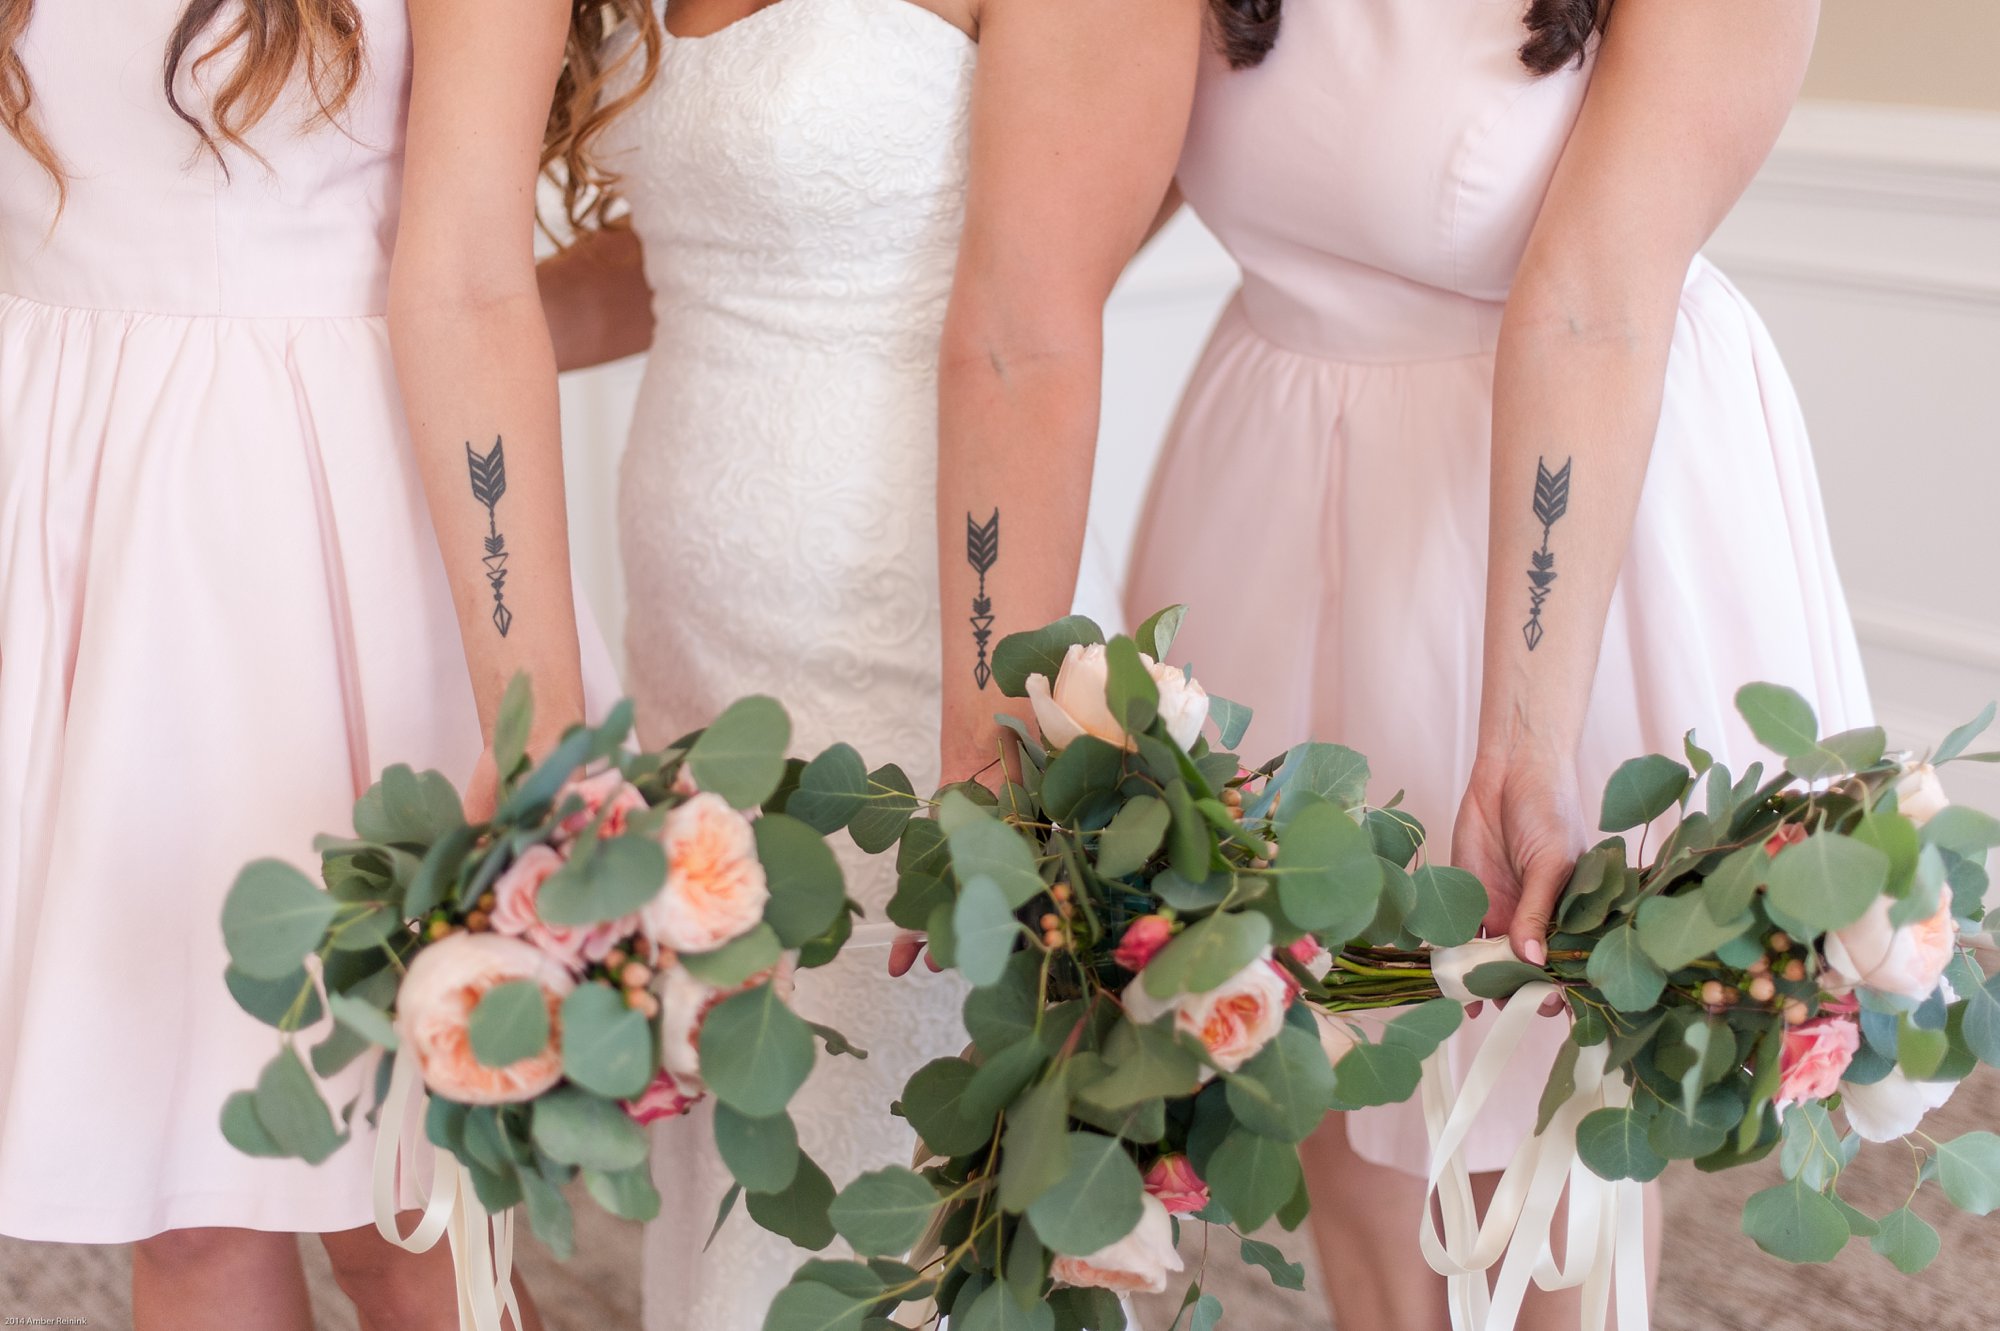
{"points": [[233, 447], [1475, 346]]}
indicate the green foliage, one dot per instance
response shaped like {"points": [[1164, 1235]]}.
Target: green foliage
{"points": [[1796, 1223], [1040, 652], [741, 755], [1095, 1201], [510, 1023], [273, 916], [607, 1047], [1641, 790], [755, 1052], [885, 1212]]}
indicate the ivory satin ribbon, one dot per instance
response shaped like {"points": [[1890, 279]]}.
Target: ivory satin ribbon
{"points": [[482, 1245], [1605, 1238]]}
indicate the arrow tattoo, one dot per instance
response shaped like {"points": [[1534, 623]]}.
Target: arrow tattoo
{"points": [[489, 483], [982, 551], [1551, 502]]}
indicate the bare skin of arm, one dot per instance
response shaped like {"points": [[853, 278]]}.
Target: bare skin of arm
{"points": [[1078, 114], [473, 353], [1685, 103]]}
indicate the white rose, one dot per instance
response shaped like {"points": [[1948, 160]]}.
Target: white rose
{"points": [[1139, 1263], [1907, 961], [1892, 1107], [715, 889], [684, 1003], [1076, 706], [1920, 795]]}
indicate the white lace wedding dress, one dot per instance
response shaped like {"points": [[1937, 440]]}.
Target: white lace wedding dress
{"points": [[797, 180]]}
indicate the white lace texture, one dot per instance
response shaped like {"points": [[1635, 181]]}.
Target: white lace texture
{"points": [[797, 180]]}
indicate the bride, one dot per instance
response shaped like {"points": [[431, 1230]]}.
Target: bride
{"points": [[864, 235]]}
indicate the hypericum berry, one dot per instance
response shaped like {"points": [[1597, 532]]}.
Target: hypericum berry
{"points": [[487, 901], [1762, 988], [635, 975], [614, 959], [1795, 970], [1780, 941], [477, 921], [1051, 923], [1795, 1011], [440, 928], [1713, 994], [642, 1002], [1060, 891]]}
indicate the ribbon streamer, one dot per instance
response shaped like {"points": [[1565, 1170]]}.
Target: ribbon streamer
{"points": [[482, 1244], [1605, 1238]]}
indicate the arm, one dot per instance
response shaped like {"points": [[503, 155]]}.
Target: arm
{"points": [[1078, 113], [1686, 101], [472, 349], [595, 295]]}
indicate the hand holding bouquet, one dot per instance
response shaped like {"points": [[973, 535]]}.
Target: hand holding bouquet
{"points": [[605, 951]]}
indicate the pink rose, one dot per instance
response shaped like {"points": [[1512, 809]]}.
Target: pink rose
{"points": [[1816, 1056], [1788, 834], [715, 889], [1907, 962], [444, 985], [607, 793], [515, 893], [1172, 1179], [1142, 940], [1305, 951], [667, 1097], [1139, 1263]]}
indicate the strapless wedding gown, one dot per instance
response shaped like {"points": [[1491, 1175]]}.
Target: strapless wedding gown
{"points": [[797, 180]]}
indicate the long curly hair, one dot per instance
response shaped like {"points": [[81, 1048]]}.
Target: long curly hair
{"points": [[269, 47], [1557, 30]]}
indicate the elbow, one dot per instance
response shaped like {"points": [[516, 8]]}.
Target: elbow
{"points": [[1003, 343], [427, 291]]}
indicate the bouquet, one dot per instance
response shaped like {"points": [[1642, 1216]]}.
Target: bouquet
{"points": [[1137, 917], [604, 952], [1794, 949]]}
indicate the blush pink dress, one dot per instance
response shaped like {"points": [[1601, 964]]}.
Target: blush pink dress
{"points": [[222, 609], [1322, 500]]}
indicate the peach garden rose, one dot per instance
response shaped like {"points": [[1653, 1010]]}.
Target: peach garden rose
{"points": [[1076, 705], [1139, 1263], [1233, 1021], [444, 984], [715, 889], [1906, 961]]}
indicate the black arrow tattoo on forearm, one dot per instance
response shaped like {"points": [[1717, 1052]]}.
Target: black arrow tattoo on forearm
{"points": [[1551, 502], [982, 551], [489, 483]]}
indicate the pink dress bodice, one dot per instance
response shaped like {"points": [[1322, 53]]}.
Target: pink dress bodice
{"points": [[1377, 176], [153, 223]]}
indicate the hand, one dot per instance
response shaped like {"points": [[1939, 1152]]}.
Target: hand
{"points": [[903, 954], [1519, 831]]}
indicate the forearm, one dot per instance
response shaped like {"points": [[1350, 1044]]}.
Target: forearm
{"points": [[594, 295], [1577, 390], [479, 390], [1016, 440]]}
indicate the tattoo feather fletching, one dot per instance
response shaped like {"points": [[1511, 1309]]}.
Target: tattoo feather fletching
{"points": [[1551, 495]]}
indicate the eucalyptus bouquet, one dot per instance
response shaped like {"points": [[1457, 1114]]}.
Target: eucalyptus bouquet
{"points": [[606, 950], [1793, 949], [1136, 917]]}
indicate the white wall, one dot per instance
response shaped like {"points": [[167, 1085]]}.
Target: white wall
{"points": [[1871, 243]]}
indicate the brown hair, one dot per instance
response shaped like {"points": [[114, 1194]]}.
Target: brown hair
{"points": [[584, 106], [318, 42], [17, 95], [1557, 31]]}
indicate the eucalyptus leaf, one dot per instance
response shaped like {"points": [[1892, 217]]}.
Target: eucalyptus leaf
{"points": [[741, 755]]}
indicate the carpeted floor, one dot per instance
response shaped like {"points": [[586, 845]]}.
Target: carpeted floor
{"points": [[1713, 1279]]}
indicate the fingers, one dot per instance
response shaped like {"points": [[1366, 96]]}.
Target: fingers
{"points": [[903, 954], [1541, 885]]}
